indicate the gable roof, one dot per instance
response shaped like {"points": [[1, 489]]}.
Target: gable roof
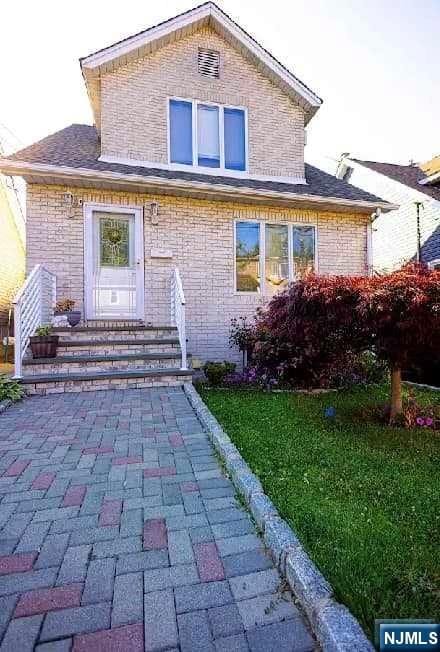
{"points": [[76, 148], [207, 14], [409, 175]]}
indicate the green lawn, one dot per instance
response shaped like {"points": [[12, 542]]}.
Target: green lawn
{"points": [[363, 498]]}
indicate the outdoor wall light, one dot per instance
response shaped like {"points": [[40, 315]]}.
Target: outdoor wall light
{"points": [[153, 209]]}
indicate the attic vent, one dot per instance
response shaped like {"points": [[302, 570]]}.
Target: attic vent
{"points": [[209, 63]]}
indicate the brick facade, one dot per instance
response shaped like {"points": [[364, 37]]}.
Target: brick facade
{"points": [[141, 89], [200, 234]]}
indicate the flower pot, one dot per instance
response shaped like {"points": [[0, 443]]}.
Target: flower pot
{"points": [[44, 346], [73, 317]]}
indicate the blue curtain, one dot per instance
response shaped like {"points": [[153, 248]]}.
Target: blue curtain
{"points": [[181, 132], [235, 147]]}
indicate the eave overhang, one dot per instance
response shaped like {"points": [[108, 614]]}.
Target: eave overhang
{"points": [[432, 179], [85, 178]]}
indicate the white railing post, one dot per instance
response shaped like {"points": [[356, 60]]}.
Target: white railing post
{"points": [[178, 314], [17, 339], [32, 307]]}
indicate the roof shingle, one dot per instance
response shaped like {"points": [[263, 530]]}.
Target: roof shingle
{"points": [[77, 146], [409, 175]]}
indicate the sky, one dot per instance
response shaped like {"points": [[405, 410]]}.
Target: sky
{"points": [[375, 63]]}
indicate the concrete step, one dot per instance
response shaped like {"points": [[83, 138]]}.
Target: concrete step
{"points": [[119, 346], [110, 323], [101, 380], [101, 333], [73, 364]]}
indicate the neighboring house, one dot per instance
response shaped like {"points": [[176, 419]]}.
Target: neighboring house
{"points": [[412, 231], [195, 163], [12, 248]]}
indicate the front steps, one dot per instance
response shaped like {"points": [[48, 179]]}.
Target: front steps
{"points": [[113, 356]]}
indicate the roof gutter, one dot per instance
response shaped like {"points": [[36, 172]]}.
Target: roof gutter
{"points": [[159, 184], [431, 179]]}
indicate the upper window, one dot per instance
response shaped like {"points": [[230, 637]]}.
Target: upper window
{"points": [[207, 135], [268, 256]]}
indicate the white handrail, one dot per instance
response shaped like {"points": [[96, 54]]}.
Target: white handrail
{"points": [[178, 314], [33, 305]]}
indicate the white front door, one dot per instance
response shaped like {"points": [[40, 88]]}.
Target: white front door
{"points": [[114, 262]]}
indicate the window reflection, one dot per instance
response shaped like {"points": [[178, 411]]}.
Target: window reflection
{"points": [[276, 258], [248, 256], [303, 247]]}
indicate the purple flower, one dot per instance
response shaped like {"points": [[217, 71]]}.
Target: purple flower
{"points": [[420, 421], [429, 421]]}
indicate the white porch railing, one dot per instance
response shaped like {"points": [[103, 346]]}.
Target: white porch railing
{"points": [[33, 306], [178, 313]]}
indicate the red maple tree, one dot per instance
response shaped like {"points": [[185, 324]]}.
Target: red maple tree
{"points": [[402, 314], [317, 323]]}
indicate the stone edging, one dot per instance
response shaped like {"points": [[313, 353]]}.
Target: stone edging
{"points": [[334, 626], [422, 386], [4, 404]]}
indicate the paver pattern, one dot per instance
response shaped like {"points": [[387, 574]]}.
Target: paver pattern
{"points": [[119, 531]]}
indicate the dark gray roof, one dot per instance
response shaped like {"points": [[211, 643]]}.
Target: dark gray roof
{"points": [[78, 146], [409, 175]]}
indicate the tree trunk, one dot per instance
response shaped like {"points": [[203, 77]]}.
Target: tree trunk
{"points": [[396, 393]]}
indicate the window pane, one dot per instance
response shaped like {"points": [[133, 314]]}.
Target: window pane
{"points": [[235, 148], [303, 251], [208, 136], [247, 256], [181, 132], [277, 257]]}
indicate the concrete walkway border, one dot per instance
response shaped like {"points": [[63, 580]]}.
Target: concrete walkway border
{"points": [[334, 626]]}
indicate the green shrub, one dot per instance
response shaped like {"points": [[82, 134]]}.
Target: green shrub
{"points": [[10, 389], [43, 331], [216, 372]]}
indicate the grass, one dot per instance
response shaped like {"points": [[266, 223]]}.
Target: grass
{"points": [[364, 498]]}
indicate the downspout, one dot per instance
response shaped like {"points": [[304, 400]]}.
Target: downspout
{"points": [[373, 217], [419, 235]]}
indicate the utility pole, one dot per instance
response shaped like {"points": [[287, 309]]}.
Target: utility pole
{"points": [[419, 205]]}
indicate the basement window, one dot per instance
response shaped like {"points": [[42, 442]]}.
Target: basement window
{"points": [[209, 63]]}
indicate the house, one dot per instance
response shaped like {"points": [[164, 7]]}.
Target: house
{"points": [[186, 204], [412, 232], [12, 249]]}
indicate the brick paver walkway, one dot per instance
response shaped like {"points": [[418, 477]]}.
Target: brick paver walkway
{"points": [[120, 532]]}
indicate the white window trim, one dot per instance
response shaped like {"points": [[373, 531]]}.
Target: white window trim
{"points": [[262, 243], [202, 168], [433, 263]]}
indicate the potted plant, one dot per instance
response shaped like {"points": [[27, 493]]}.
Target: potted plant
{"points": [[65, 307], [43, 344]]}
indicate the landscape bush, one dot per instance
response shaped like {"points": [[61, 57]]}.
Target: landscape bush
{"points": [[10, 389], [216, 372], [342, 330]]}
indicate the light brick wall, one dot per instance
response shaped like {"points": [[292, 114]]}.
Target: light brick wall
{"points": [[11, 253], [201, 236], [134, 105]]}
